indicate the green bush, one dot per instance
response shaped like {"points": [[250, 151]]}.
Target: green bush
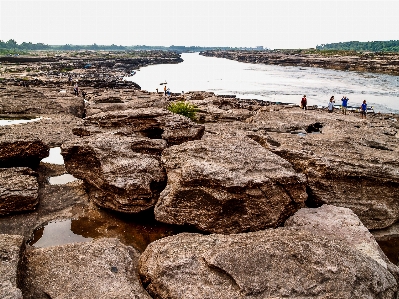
{"points": [[183, 108]]}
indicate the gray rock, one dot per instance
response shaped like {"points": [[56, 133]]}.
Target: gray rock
{"points": [[275, 263], [18, 190], [16, 152], [228, 185], [117, 177], [12, 248], [99, 269]]}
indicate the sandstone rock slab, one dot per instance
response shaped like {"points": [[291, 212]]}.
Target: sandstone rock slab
{"points": [[18, 190], [22, 152], [118, 171], [99, 269], [275, 263], [341, 224], [12, 248], [228, 185], [154, 123]]}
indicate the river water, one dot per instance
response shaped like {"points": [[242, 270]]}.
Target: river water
{"points": [[286, 84]]}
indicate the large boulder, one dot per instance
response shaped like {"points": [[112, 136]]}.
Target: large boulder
{"points": [[154, 123], [121, 173], [16, 152], [349, 162], [104, 268], [275, 263], [12, 248], [341, 224], [228, 185], [18, 190]]}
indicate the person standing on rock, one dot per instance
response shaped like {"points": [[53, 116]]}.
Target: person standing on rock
{"points": [[331, 105], [344, 105], [363, 109], [76, 89], [164, 89], [304, 102]]}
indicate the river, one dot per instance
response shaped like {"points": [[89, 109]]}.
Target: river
{"points": [[286, 84]]}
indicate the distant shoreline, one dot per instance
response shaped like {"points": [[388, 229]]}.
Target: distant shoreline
{"points": [[387, 63]]}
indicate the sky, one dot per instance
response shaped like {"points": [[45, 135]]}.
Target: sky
{"points": [[283, 24]]}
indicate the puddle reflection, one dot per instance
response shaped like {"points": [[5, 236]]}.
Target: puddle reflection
{"points": [[61, 179], [137, 230]]}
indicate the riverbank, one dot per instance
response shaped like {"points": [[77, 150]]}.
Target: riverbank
{"points": [[385, 63], [293, 187]]}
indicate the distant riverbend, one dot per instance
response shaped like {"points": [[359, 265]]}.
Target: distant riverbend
{"points": [[276, 83]]}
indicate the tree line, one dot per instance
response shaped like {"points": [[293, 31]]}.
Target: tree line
{"points": [[374, 46], [11, 46]]}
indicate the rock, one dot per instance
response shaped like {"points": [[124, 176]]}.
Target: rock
{"points": [[18, 190], [351, 163], [22, 152], [275, 263], [228, 185], [12, 248], [16, 100], [154, 123], [117, 177], [51, 129], [341, 224], [103, 268]]}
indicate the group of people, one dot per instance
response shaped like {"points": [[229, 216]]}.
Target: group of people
{"points": [[344, 105]]}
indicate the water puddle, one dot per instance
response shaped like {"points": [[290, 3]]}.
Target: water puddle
{"points": [[57, 233], [136, 230], [54, 157], [61, 179], [11, 121]]}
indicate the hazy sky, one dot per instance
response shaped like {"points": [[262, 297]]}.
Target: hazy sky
{"points": [[272, 24]]}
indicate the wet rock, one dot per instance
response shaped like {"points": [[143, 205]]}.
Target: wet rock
{"points": [[228, 185], [154, 123], [341, 224], [117, 177], [275, 263], [55, 202], [11, 249], [99, 269], [22, 152], [18, 190]]}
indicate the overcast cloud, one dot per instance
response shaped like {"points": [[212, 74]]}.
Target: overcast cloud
{"points": [[272, 24]]}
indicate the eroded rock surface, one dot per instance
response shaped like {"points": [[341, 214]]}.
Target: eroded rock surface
{"points": [[154, 123], [22, 152], [99, 269], [11, 249], [228, 185], [18, 190], [275, 263], [117, 173], [341, 224]]}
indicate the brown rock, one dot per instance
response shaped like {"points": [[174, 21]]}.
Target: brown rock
{"points": [[117, 177], [22, 152], [18, 190], [99, 269], [341, 224], [228, 185], [275, 263], [154, 123], [12, 248]]}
